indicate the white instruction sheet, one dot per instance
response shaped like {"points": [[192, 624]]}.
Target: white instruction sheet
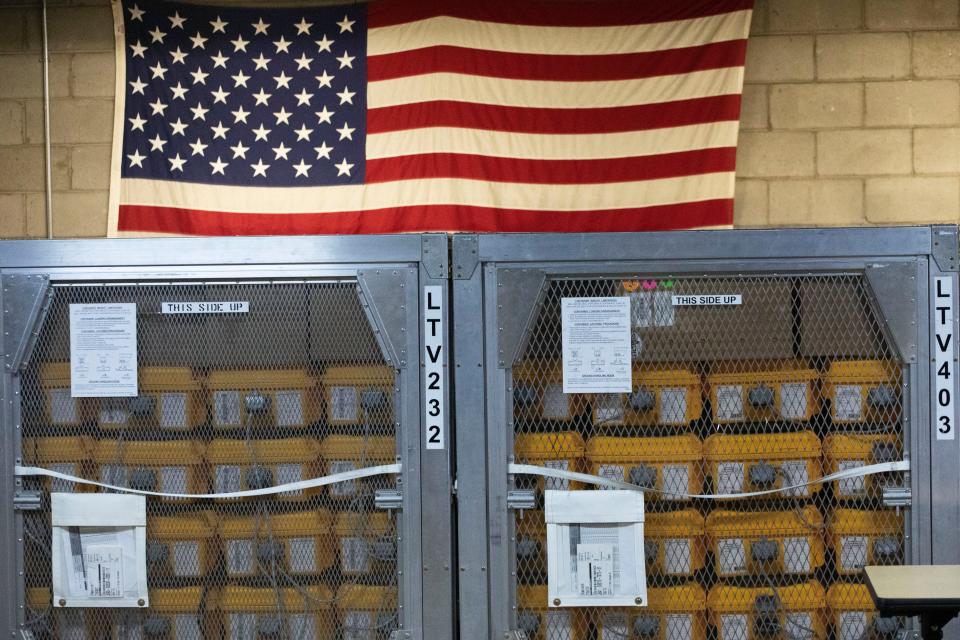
{"points": [[596, 345], [103, 350]]}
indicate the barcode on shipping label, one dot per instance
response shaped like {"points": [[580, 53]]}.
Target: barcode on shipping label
{"points": [[103, 564]]}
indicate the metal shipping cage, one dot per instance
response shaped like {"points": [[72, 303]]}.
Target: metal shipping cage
{"points": [[826, 364], [318, 376]]}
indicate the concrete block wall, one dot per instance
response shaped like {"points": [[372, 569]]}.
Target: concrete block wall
{"points": [[851, 114]]}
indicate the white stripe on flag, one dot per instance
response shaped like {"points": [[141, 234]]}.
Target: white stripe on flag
{"points": [[432, 191], [555, 95], [496, 36], [532, 146]]}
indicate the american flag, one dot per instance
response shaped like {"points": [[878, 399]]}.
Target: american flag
{"points": [[415, 115]]}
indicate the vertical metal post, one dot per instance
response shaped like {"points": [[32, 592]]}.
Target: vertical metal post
{"points": [[436, 473], [471, 447], [46, 123]]}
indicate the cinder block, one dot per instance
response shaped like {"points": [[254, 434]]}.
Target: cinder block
{"points": [[36, 215], [753, 108], [763, 154], [93, 75], [911, 14], [759, 19], [857, 56], [13, 33], [779, 59], [91, 167], [864, 152], [809, 106], [750, 204], [72, 121], [80, 28], [913, 199], [816, 202], [21, 168], [936, 54], [814, 15], [936, 150], [79, 214], [11, 122], [913, 102], [13, 217], [22, 76], [60, 167]]}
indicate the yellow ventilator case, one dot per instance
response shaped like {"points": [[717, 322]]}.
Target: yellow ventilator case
{"points": [[760, 462], [249, 612], [367, 612], [755, 613], [170, 399], [538, 393], [263, 398], [751, 543], [862, 391], [356, 395], [60, 408], [165, 467], [674, 543], [298, 544], [543, 623], [531, 543], [366, 543], [563, 451], [672, 613], [669, 465], [660, 396], [854, 616], [861, 538], [48, 621], [852, 451], [239, 465], [349, 453], [173, 614], [69, 455], [182, 546], [747, 393]]}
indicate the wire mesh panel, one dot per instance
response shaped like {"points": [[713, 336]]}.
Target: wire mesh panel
{"points": [[293, 389], [796, 382]]}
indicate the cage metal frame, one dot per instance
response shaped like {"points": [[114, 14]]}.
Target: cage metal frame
{"points": [[391, 272], [500, 278]]}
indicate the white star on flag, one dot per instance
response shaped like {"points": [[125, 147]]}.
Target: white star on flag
{"points": [[157, 35], [179, 127], [199, 113], [260, 26], [198, 41], [136, 160], [179, 92], [302, 169], [343, 169], [346, 60], [346, 24], [260, 133], [176, 164], [260, 169], [136, 123], [239, 44], [218, 166], [239, 151], [218, 25], [220, 95], [346, 95], [198, 147], [325, 115], [323, 151], [303, 27], [240, 79], [219, 60], [282, 45], [282, 116], [156, 144], [240, 115], [138, 50], [324, 43], [220, 131], [136, 13], [281, 151], [346, 131], [138, 86], [176, 22], [179, 56], [262, 97], [325, 79]]}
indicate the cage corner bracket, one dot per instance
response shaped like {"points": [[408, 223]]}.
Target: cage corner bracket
{"points": [[25, 299], [894, 289]]}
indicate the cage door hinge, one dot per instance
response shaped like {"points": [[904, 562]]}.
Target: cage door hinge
{"points": [[897, 497], [516, 634], [27, 500], [521, 499], [388, 499]]}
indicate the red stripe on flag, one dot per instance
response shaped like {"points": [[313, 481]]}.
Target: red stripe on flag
{"points": [[607, 170], [470, 115], [153, 219], [529, 66], [584, 13]]}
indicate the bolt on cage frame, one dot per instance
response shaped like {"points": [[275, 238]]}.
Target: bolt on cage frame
{"points": [[383, 277], [502, 283]]}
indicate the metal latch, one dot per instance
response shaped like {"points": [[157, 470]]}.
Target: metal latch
{"points": [[521, 499], [388, 499], [27, 500], [897, 497]]}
